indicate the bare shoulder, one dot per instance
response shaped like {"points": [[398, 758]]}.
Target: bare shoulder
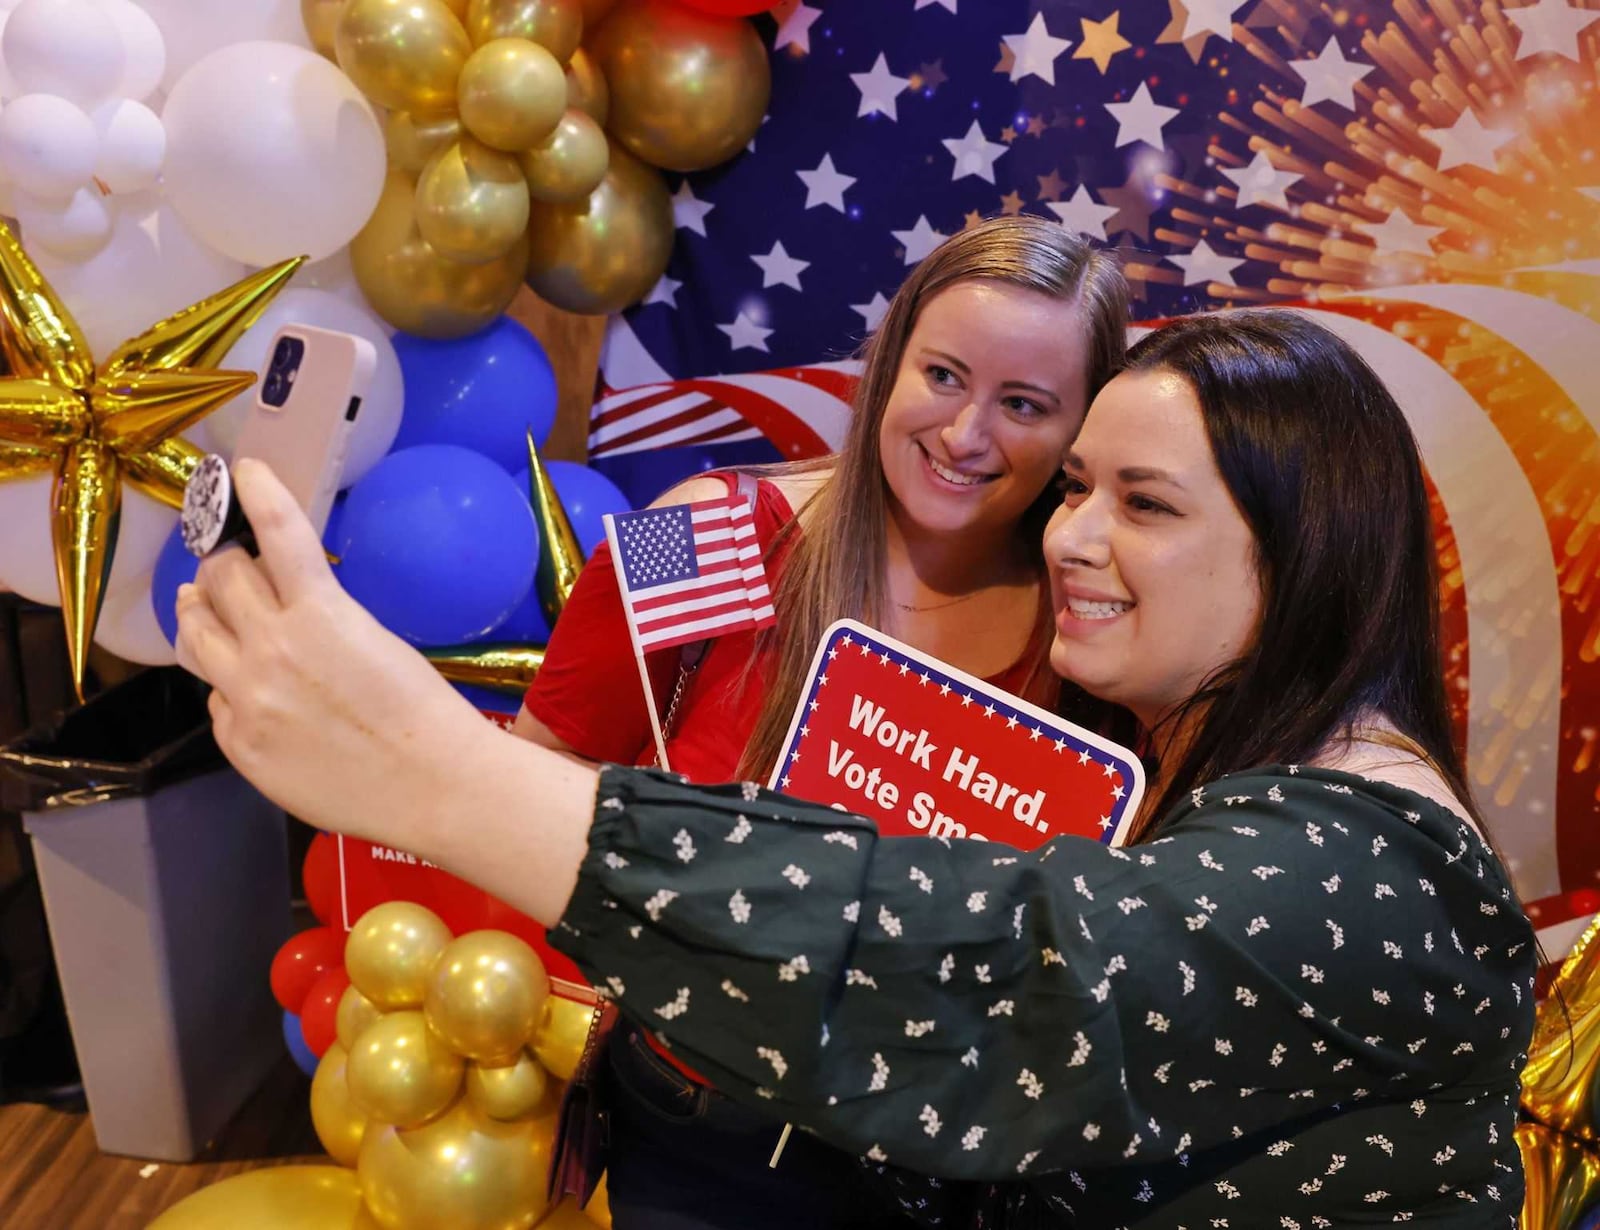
{"points": [[1380, 762], [798, 486], [700, 487]]}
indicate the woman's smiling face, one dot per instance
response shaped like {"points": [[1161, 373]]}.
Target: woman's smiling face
{"points": [[1153, 570]]}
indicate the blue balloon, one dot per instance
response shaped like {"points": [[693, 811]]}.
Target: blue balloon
{"points": [[527, 625], [174, 567], [586, 494], [483, 392], [438, 543], [295, 1039]]}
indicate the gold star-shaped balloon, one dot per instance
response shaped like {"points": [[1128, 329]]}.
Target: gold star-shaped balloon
{"points": [[99, 426]]}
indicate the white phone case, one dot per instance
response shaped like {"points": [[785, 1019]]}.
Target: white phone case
{"points": [[305, 408]]}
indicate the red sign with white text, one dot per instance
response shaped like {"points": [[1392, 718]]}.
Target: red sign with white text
{"points": [[925, 750]]}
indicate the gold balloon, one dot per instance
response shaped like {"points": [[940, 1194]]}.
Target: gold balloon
{"points": [[568, 164], [463, 1171], [512, 93], [413, 142], [340, 1123], [598, 1210], [304, 1197], [458, 7], [556, 25], [418, 289], [511, 1091], [504, 668], [355, 1013], [1558, 1082], [567, 1216], [600, 255], [688, 90], [596, 11], [586, 87], [402, 54], [391, 951], [561, 558], [472, 203], [95, 431], [562, 1036], [399, 1072], [1563, 1179], [486, 995], [321, 20]]}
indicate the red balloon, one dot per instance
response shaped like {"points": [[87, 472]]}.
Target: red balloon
{"points": [[732, 8], [301, 961], [319, 874], [319, 1011]]}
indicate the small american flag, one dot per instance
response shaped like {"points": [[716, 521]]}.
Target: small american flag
{"points": [[690, 571]]}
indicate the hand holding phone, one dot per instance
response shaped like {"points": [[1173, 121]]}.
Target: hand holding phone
{"points": [[299, 424]]}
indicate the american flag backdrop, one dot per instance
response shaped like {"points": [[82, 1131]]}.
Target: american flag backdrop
{"points": [[1421, 174]]}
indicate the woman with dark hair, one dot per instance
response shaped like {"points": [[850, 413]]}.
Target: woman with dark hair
{"points": [[1301, 998]]}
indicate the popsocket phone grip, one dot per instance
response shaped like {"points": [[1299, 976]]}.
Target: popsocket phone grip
{"points": [[211, 515]]}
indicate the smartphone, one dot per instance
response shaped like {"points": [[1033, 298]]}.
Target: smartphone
{"points": [[305, 408]]}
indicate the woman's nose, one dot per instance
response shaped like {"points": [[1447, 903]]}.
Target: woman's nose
{"points": [[1078, 535], [967, 434]]}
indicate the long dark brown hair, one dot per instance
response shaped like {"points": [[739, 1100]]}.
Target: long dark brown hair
{"points": [[836, 568], [1325, 470]]}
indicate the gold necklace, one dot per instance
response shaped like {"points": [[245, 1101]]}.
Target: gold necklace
{"points": [[936, 606]]}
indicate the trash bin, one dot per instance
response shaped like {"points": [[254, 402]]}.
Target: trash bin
{"points": [[166, 888]]}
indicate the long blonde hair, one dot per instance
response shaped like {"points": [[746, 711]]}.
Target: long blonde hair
{"points": [[836, 567]]}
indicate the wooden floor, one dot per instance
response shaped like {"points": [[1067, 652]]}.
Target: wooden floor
{"points": [[53, 1178]]}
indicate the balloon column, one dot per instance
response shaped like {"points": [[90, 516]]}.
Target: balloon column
{"points": [[523, 137], [438, 1077], [1560, 1098]]}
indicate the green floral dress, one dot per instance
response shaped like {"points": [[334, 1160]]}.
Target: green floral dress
{"points": [[1306, 1004]]}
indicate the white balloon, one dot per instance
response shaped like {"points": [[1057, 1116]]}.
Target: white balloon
{"points": [[27, 557], [151, 267], [271, 151], [144, 50], [65, 47], [128, 626], [8, 83], [133, 143], [379, 420], [193, 29], [47, 146], [74, 231]]}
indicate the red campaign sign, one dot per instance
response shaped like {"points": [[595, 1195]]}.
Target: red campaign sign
{"points": [[370, 875], [925, 750]]}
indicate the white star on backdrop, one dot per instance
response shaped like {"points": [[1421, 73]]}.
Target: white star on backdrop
{"points": [[1550, 25], [778, 268], [1398, 233], [1468, 141], [1081, 212], [872, 313], [1034, 52], [689, 210], [1260, 181], [826, 185], [1331, 77], [949, 4], [1205, 264], [664, 291], [974, 154], [746, 333], [796, 29], [1210, 17], [1140, 118], [919, 240], [879, 89]]}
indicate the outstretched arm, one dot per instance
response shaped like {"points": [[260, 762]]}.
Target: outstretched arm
{"points": [[349, 728]]}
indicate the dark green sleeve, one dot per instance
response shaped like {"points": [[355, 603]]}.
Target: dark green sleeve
{"points": [[969, 1010]]}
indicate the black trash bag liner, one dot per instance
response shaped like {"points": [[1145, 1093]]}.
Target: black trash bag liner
{"points": [[150, 731]]}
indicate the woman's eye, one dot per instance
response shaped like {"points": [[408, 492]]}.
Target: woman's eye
{"points": [[940, 375], [1070, 486], [1024, 407], [1144, 503]]}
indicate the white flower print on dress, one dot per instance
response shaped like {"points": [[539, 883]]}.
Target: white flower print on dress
{"points": [[930, 1121], [615, 861], [918, 1029], [738, 907], [733, 992], [852, 912], [889, 923], [685, 844], [947, 967], [969, 1057], [790, 970], [973, 1138], [859, 978], [838, 837], [742, 829], [1032, 1086], [1338, 933], [921, 879], [976, 902], [780, 1066], [1081, 1050], [658, 902], [797, 876], [677, 1007], [1257, 925], [1052, 957], [1001, 1008], [1188, 976]]}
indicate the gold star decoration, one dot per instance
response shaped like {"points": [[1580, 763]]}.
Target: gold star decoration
{"points": [[99, 426], [1051, 186], [971, 219], [1173, 31], [1008, 134], [1011, 203], [1007, 61], [1101, 41], [1037, 125]]}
